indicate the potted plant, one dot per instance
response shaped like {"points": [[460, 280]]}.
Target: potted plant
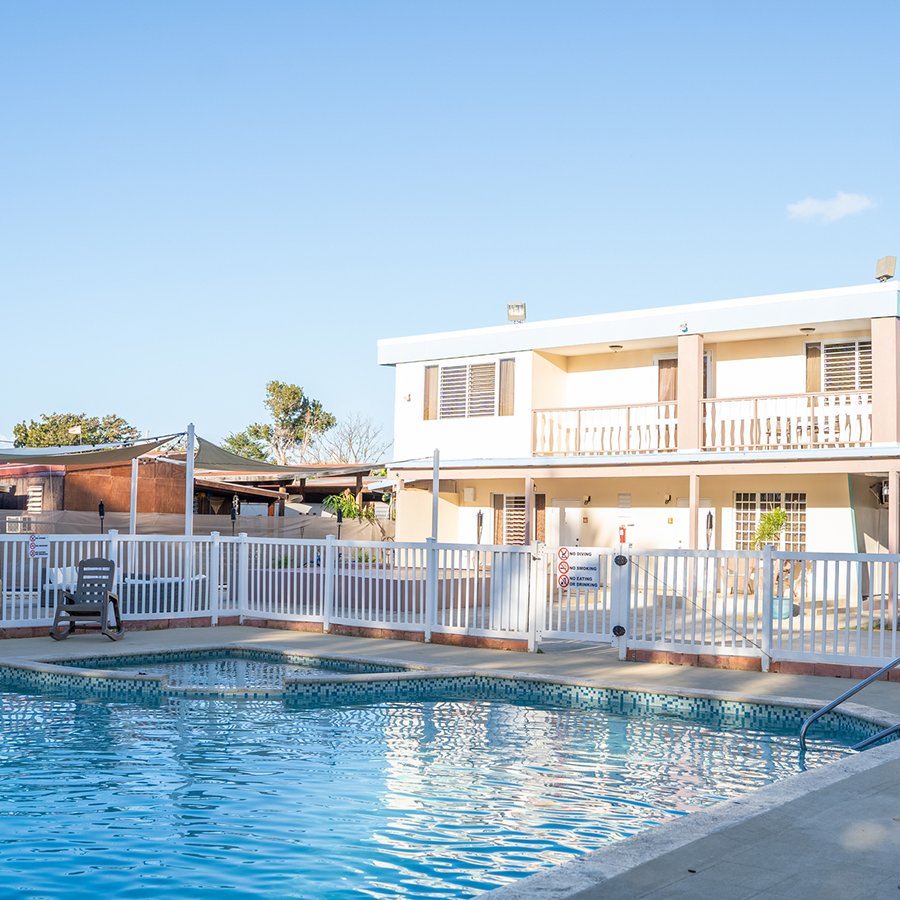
{"points": [[771, 524]]}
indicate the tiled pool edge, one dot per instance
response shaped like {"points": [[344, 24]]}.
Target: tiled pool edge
{"points": [[584, 878], [406, 681]]}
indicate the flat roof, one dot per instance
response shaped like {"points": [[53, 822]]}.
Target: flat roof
{"points": [[833, 309]]}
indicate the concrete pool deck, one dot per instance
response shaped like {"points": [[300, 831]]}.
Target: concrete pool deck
{"points": [[832, 832]]}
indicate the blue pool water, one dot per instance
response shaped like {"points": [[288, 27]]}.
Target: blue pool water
{"points": [[211, 797]]}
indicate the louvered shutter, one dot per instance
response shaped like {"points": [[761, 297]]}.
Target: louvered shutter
{"points": [[453, 392], [482, 393], [847, 366], [514, 520]]}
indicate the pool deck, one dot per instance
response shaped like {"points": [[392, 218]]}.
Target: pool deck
{"points": [[831, 832]]}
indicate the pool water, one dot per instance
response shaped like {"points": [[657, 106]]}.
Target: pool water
{"points": [[228, 672], [211, 797], [228, 668]]}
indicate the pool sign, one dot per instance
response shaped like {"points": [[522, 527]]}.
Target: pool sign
{"points": [[577, 568], [38, 546]]}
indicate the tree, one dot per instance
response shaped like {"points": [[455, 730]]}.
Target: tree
{"points": [[55, 430], [249, 443], [354, 439], [297, 420]]}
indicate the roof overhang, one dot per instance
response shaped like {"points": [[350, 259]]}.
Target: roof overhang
{"points": [[846, 460], [833, 310]]}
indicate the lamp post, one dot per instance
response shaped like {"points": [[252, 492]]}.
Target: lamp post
{"points": [[233, 519], [340, 519], [101, 511]]}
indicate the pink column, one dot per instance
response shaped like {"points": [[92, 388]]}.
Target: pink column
{"points": [[885, 388], [690, 391]]}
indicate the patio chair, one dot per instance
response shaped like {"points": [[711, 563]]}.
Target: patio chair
{"points": [[89, 606]]}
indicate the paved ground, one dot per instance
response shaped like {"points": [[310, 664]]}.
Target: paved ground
{"points": [[833, 832]]}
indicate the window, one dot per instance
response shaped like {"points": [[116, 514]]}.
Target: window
{"points": [[748, 507], [847, 366], [470, 391], [513, 520], [509, 518]]}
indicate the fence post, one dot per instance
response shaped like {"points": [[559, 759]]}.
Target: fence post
{"points": [[620, 598], [431, 586], [330, 573], [212, 578], [537, 594], [112, 552], [768, 587], [243, 585]]}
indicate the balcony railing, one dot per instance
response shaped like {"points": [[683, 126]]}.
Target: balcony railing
{"points": [[640, 428], [788, 422]]}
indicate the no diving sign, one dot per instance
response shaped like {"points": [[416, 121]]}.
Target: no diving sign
{"points": [[38, 546], [577, 568]]}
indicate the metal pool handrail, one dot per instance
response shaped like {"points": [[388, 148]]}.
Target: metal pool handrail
{"points": [[846, 696]]}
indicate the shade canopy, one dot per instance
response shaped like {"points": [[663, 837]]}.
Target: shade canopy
{"points": [[212, 458], [209, 457], [95, 455]]}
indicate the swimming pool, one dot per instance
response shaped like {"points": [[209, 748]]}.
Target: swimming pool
{"points": [[442, 796]]}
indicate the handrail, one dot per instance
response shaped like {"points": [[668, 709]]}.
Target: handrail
{"points": [[846, 696]]}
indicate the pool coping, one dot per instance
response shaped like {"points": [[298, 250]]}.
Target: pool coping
{"points": [[582, 877]]}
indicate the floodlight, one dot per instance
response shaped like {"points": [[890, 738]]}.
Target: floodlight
{"points": [[515, 312]]}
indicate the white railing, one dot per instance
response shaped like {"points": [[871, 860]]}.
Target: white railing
{"points": [[640, 428], [788, 422], [774, 606]]}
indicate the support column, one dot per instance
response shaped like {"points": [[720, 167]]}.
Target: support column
{"points": [[694, 503], [690, 391], [435, 492], [189, 483], [885, 387], [132, 507], [529, 510], [893, 508]]}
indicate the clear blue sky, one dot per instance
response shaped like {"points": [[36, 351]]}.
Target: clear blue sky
{"points": [[198, 197]]}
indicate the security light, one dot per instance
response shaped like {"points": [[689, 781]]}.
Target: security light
{"points": [[886, 268], [807, 330], [515, 312], [615, 347]]}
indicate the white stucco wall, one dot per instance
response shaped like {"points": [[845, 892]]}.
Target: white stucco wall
{"points": [[613, 379], [482, 436]]}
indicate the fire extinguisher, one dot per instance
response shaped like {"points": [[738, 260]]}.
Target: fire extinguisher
{"points": [[621, 534]]}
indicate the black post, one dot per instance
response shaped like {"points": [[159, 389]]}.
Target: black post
{"points": [[101, 509], [340, 518], [233, 519]]}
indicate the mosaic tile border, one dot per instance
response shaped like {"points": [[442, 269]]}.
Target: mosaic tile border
{"points": [[351, 680]]}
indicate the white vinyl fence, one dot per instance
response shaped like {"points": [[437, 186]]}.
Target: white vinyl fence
{"points": [[773, 606], [424, 588]]}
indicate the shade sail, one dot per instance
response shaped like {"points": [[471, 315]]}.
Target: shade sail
{"points": [[212, 458], [95, 455]]}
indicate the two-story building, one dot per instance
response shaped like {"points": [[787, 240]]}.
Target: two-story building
{"points": [[680, 424]]}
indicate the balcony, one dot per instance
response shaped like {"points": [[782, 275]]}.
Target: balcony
{"points": [[786, 422], [599, 430]]}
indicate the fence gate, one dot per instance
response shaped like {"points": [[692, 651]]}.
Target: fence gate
{"points": [[579, 593]]}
